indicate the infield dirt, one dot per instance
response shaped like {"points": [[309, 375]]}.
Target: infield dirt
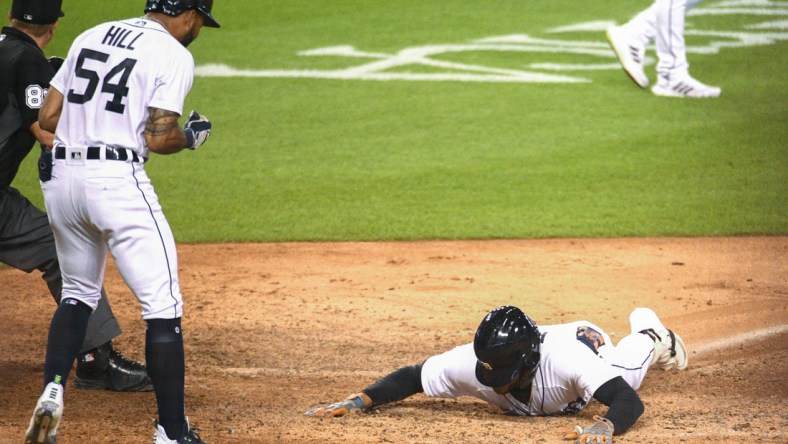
{"points": [[274, 329]]}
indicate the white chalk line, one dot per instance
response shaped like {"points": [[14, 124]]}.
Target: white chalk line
{"points": [[737, 340]]}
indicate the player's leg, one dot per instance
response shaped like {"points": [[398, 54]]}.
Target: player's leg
{"points": [[143, 248], [82, 256], [673, 79], [632, 357], [629, 42], [642, 28], [164, 353], [669, 349], [671, 49], [649, 344]]}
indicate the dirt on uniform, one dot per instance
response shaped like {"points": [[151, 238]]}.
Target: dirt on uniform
{"points": [[272, 330]]}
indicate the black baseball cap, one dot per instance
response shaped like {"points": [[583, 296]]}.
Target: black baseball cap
{"points": [[39, 12]]}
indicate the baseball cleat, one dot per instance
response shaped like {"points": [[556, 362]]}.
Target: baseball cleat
{"points": [[46, 416], [630, 54], [669, 349], [190, 437], [686, 87], [104, 368]]}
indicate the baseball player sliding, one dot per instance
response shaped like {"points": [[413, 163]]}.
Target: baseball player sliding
{"points": [[538, 371], [118, 97]]}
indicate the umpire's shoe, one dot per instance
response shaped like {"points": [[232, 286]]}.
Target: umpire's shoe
{"points": [[104, 368], [46, 416]]}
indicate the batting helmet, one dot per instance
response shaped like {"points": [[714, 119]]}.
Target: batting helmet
{"points": [[507, 347], [176, 7]]}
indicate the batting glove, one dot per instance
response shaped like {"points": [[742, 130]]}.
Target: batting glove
{"points": [[338, 408], [197, 130], [599, 432]]}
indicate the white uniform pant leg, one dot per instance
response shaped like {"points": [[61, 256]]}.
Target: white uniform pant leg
{"points": [[80, 246], [671, 49], [632, 357], [140, 240], [643, 27]]}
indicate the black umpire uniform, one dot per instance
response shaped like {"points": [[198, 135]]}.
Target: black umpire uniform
{"points": [[26, 239]]}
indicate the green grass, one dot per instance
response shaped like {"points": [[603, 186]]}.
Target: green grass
{"points": [[310, 159]]}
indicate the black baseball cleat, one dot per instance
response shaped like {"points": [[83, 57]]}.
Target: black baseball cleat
{"points": [[105, 368]]}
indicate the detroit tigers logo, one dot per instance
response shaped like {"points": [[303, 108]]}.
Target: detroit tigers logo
{"points": [[590, 337]]}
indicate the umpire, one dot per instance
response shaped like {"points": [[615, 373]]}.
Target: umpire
{"points": [[26, 239]]}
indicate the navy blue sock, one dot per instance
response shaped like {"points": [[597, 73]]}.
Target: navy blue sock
{"points": [[166, 368], [66, 333]]}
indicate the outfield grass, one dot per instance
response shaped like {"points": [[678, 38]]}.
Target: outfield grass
{"points": [[322, 159]]}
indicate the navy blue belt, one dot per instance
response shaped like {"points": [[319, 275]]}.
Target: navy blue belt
{"points": [[111, 153]]}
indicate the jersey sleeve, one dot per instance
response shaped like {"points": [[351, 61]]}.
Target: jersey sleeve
{"points": [[173, 83], [451, 374]]}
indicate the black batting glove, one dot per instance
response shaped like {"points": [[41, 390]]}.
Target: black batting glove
{"points": [[197, 130]]}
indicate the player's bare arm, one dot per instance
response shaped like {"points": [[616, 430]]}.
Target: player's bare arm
{"points": [[44, 137], [49, 114], [162, 134]]}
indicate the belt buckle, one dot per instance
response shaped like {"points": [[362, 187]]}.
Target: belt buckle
{"points": [[76, 155]]}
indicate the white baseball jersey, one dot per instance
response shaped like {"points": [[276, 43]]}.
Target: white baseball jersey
{"points": [[570, 370], [125, 67], [98, 199]]}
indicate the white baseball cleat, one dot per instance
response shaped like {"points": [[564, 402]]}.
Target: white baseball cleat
{"points": [[46, 416], [190, 436], [685, 86], [630, 53], [669, 349]]}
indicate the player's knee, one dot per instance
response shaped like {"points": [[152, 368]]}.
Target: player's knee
{"points": [[76, 304], [163, 330]]}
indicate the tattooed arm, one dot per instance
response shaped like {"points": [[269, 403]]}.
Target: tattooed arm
{"points": [[162, 134]]}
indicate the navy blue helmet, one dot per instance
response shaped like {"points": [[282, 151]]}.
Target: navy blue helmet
{"points": [[507, 348], [176, 7]]}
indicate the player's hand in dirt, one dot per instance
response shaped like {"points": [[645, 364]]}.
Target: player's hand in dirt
{"points": [[600, 431], [341, 408]]}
